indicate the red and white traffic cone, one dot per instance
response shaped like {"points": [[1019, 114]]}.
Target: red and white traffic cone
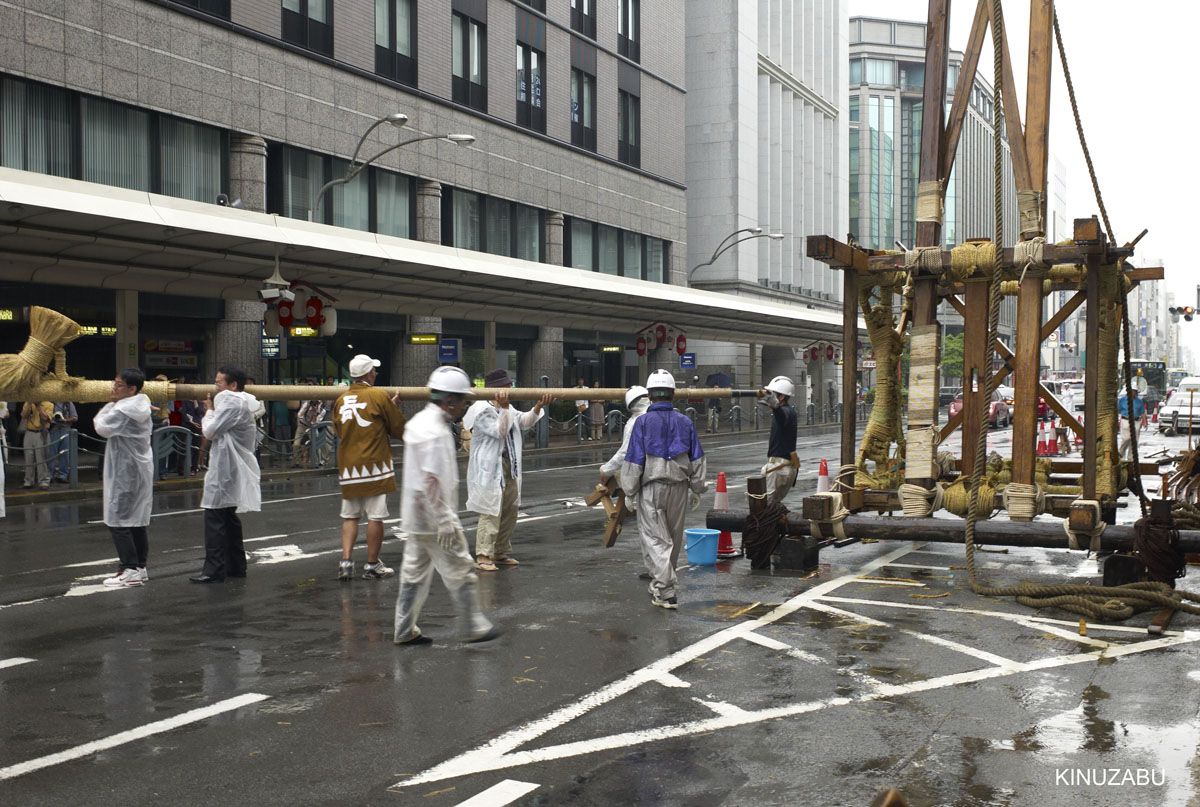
{"points": [[1052, 443], [725, 547], [1041, 445], [1079, 437], [823, 478]]}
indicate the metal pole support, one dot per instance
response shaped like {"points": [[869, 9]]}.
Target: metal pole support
{"points": [[73, 457], [541, 433], [812, 413]]}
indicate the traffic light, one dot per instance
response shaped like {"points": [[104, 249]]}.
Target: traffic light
{"points": [[1188, 312]]}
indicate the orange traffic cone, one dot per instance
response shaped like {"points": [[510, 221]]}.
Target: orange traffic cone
{"points": [[823, 478], [725, 547], [1052, 443], [1041, 445], [1079, 437]]}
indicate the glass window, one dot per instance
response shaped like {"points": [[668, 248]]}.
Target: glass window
{"points": [[656, 260], [629, 124], [395, 45], [632, 258], [628, 29], [116, 145], [527, 236], [856, 71], [854, 100], [581, 244], [467, 219], [583, 109], [393, 204], [303, 174], [309, 24], [499, 226], [531, 110], [190, 160], [609, 252], [35, 133], [469, 57], [583, 17], [881, 71], [349, 204], [217, 8]]}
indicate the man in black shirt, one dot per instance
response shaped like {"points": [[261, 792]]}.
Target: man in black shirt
{"points": [[781, 466]]}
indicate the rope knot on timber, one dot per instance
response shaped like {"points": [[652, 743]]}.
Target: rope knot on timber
{"points": [[930, 201], [37, 354], [925, 260], [1023, 502], [920, 502], [1093, 535], [1029, 207], [834, 526], [966, 258]]}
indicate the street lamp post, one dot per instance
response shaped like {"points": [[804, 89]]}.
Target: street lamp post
{"points": [[730, 241], [397, 119]]}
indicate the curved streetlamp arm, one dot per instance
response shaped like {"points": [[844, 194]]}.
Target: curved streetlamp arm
{"points": [[733, 234], [721, 250]]}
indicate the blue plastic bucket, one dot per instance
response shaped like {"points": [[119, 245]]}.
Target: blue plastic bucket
{"points": [[701, 546]]}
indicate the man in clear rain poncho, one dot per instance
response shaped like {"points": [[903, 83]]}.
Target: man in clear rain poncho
{"points": [[231, 485], [637, 401], [429, 515], [662, 463], [494, 470], [125, 422]]}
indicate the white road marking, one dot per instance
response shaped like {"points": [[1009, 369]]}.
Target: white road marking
{"points": [[673, 681], [722, 708], [124, 737], [506, 792], [201, 509], [503, 751], [14, 661], [920, 566], [876, 581]]}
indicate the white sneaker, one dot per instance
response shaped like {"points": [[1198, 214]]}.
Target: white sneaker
{"points": [[126, 577], [142, 574], [376, 571]]}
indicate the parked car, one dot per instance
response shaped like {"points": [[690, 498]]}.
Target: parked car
{"points": [[1179, 403], [1009, 395], [946, 395], [999, 414]]}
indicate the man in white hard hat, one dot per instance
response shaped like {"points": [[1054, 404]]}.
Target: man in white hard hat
{"points": [[663, 461], [494, 470], [637, 401], [365, 418], [780, 471], [429, 515]]}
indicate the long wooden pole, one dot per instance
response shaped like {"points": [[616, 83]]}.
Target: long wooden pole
{"points": [[849, 366]]}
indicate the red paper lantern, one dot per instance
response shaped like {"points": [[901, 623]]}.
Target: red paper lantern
{"points": [[286, 320], [312, 312], [681, 345], [641, 346], [812, 354], [829, 352], [660, 333]]}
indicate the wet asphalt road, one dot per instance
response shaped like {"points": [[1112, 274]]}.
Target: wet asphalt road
{"points": [[764, 688]]}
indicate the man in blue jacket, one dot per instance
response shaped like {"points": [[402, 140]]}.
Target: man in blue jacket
{"points": [[1139, 420], [663, 462]]}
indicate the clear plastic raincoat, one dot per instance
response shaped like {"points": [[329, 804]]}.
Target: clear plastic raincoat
{"points": [[493, 429], [429, 495], [233, 476], [128, 461]]}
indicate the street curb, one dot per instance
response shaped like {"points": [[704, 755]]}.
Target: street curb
{"points": [[96, 490]]}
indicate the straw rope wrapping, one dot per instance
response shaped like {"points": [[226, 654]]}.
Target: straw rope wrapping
{"points": [[49, 333], [834, 526], [883, 425], [1095, 602]]}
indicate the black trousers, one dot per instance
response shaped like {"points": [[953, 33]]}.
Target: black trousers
{"points": [[224, 552], [132, 546]]}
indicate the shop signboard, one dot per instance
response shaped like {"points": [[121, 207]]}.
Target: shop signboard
{"points": [[687, 361], [449, 351], [173, 361]]}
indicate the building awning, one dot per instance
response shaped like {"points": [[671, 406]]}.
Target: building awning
{"points": [[67, 232]]}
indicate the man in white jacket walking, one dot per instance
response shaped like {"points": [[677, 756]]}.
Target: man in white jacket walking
{"points": [[637, 401], [429, 516], [494, 470], [126, 423], [231, 485]]}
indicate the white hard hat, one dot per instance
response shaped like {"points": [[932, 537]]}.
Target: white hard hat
{"points": [[450, 379], [660, 379], [633, 393], [782, 385]]}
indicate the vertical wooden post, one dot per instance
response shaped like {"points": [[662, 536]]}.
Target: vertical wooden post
{"points": [[975, 336], [849, 365], [1091, 431], [1037, 94], [1025, 378]]}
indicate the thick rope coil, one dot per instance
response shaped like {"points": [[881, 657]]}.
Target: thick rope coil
{"points": [[957, 499], [926, 259], [1029, 207], [1028, 255], [844, 471], [818, 529], [1023, 501], [919, 502], [930, 201], [966, 259], [1093, 535], [37, 355]]}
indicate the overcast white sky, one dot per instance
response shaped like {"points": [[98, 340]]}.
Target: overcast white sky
{"points": [[1129, 63]]}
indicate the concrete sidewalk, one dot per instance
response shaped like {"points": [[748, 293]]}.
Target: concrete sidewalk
{"points": [[92, 488]]}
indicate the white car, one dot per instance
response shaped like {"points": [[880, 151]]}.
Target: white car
{"points": [[1182, 401]]}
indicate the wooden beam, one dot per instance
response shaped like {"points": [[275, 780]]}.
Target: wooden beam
{"points": [[1037, 94], [976, 372], [1067, 417], [1025, 379], [830, 251], [1012, 118], [849, 367], [962, 91], [1091, 371], [951, 424], [880, 262], [1060, 316]]}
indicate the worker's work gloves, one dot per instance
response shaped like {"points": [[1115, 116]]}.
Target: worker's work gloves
{"points": [[693, 500]]}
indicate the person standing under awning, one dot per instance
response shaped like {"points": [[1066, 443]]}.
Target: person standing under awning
{"points": [[780, 470], [126, 423]]}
